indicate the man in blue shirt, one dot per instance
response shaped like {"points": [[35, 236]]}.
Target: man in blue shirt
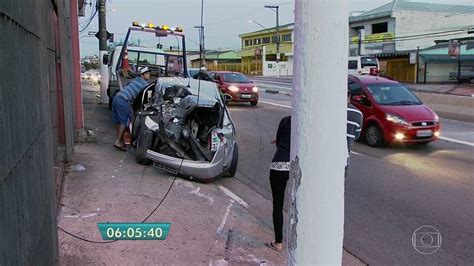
{"points": [[121, 104]]}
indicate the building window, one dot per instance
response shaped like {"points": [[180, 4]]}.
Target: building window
{"points": [[257, 41], [273, 39], [380, 27], [352, 64], [248, 42], [265, 40], [286, 37]]}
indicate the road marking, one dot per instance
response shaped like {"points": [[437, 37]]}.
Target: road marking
{"points": [[275, 104], [263, 86], [199, 194], [356, 153], [288, 85], [226, 215], [457, 141], [441, 138], [233, 196]]}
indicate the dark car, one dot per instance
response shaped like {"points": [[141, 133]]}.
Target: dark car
{"points": [[237, 86], [392, 113]]}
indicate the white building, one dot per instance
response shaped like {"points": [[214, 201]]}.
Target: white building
{"points": [[402, 25]]}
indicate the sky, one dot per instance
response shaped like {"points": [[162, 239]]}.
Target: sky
{"points": [[223, 20]]}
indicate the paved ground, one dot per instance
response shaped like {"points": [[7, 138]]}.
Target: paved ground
{"points": [[211, 225], [390, 191]]}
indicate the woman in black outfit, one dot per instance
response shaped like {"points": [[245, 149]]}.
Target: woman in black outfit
{"points": [[279, 174]]}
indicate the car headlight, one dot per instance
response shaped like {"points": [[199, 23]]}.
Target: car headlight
{"points": [[233, 88], [255, 89], [396, 119]]}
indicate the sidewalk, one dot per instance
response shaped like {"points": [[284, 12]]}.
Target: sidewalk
{"points": [[208, 227], [453, 89]]}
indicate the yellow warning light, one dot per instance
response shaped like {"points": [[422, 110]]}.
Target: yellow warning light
{"points": [[151, 25], [135, 23], [179, 29], [165, 27]]}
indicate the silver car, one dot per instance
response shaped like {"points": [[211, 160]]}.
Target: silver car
{"points": [[183, 127]]}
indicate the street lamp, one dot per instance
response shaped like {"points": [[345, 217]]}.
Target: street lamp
{"points": [[256, 22]]}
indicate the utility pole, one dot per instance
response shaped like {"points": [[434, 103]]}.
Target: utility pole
{"points": [[201, 46], [318, 137], [361, 47], [277, 37], [201, 37], [104, 71]]}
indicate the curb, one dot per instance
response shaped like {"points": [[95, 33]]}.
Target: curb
{"points": [[277, 92]]}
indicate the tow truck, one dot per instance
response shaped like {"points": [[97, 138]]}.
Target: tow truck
{"points": [[181, 125]]}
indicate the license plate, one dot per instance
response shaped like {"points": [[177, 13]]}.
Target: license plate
{"points": [[246, 96], [424, 133], [166, 168]]}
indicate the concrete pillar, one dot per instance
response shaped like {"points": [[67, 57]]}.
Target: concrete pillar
{"points": [[76, 76], [318, 141]]}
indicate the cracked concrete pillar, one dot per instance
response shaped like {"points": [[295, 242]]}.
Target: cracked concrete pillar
{"points": [[318, 132]]}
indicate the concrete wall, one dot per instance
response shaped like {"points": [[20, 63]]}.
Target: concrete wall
{"points": [[450, 106], [37, 125], [368, 26], [410, 23]]}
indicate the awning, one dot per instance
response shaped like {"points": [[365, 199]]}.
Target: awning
{"points": [[438, 58]]}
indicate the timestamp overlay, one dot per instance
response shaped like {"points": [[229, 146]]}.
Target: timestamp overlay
{"points": [[134, 231]]}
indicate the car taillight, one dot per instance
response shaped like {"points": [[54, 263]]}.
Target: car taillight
{"points": [[374, 71]]}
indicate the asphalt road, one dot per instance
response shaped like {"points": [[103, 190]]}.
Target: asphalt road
{"points": [[390, 191]]}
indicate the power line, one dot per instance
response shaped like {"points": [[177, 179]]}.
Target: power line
{"points": [[90, 15], [425, 35], [89, 22]]}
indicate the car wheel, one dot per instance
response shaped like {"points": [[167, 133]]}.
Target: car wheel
{"points": [[235, 160], [373, 136], [137, 124], [144, 142], [253, 103]]}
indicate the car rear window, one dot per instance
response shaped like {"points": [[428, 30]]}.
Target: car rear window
{"points": [[368, 62]]}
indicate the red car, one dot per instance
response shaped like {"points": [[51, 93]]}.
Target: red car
{"points": [[237, 86], [392, 113]]}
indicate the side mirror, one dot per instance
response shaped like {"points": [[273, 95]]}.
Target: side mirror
{"points": [[105, 59], [227, 98]]}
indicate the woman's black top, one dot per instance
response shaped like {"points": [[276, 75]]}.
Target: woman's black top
{"points": [[283, 139]]}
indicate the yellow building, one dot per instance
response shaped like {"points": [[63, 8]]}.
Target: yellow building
{"points": [[253, 43]]}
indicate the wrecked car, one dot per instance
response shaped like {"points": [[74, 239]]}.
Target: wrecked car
{"points": [[183, 127]]}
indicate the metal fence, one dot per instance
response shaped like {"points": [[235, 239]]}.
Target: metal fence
{"points": [[28, 131]]}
